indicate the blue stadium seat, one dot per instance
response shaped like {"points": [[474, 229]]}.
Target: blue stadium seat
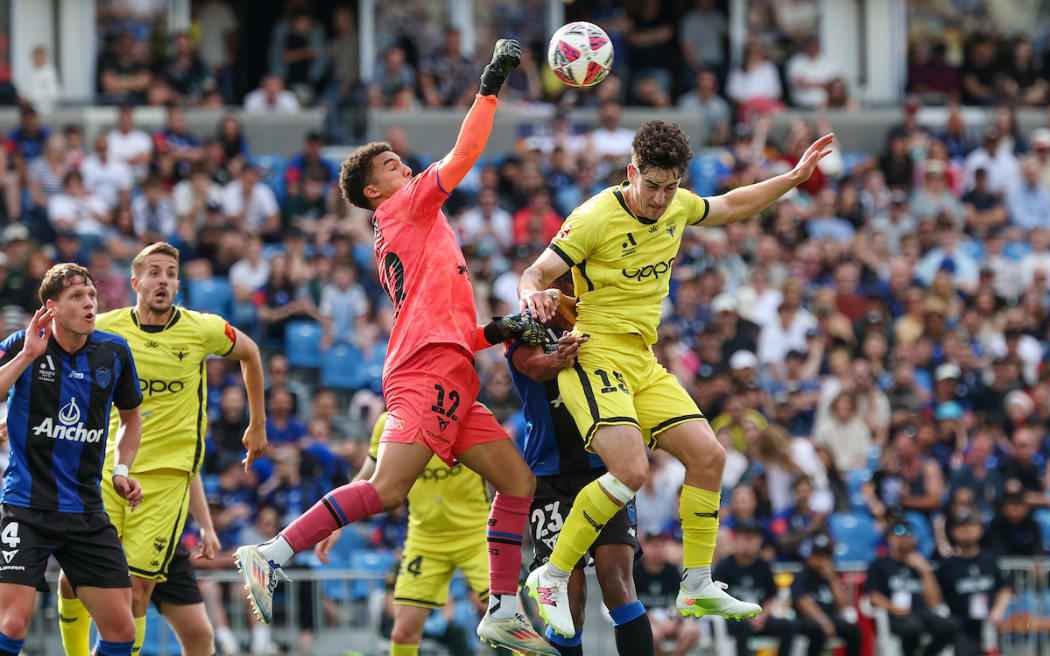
{"points": [[302, 344], [351, 541], [855, 537], [341, 367], [920, 526], [373, 562], [213, 295], [1042, 517], [855, 481]]}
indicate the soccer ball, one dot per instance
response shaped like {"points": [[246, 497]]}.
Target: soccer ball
{"points": [[580, 54]]}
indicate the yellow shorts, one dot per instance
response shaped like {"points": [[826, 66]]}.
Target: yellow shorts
{"points": [[426, 571], [617, 381], [152, 530]]}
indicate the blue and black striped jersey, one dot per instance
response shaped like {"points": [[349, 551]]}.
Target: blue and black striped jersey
{"points": [[551, 444], [58, 421]]}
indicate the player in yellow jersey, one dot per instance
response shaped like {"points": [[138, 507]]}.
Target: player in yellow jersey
{"points": [[170, 345], [621, 245], [448, 511]]}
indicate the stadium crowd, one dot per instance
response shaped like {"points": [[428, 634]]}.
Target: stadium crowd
{"points": [[876, 346]]}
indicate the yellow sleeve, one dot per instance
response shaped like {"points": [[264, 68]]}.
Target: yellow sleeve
{"points": [[698, 207], [219, 336], [377, 432], [578, 237]]}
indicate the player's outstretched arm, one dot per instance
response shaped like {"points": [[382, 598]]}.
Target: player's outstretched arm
{"points": [[745, 202], [210, 545], [247, 352], [533, 286], [474, 133]]}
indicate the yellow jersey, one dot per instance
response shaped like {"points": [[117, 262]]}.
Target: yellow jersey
{"points": [[170, 361], [621, 263], [445, 503]]}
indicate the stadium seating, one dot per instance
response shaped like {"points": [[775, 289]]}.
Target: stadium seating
{"points": [[855, 481], [214, 295], [923, 531], [369, 562], [302, 343], [341, 367], [855, 537], [1042, 517]]}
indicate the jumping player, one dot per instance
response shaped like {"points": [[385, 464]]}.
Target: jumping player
{"points": [[170, 345], [429, 379], [554, 452], [447, 512], [61, 377], [621, 245]]}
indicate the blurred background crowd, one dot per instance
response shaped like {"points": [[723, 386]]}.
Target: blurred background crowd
{"points": [[873, 350]]}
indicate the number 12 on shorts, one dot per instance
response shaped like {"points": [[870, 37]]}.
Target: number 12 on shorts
{"points": [[439, 405]]}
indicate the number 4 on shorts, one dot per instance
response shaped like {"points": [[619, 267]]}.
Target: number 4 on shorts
{"points": [[9, 538], [415, 566]]}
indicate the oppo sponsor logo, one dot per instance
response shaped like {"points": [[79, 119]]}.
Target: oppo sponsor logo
{"points": [[648, 271]]}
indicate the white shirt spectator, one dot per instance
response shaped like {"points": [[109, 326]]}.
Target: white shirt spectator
{"points": [[505, 288], [125, 146], [78, 213], [261, 205], [474, 226], [776, 339], [805, 69], [159, 218], [343, 307], [216, 19], [657, 501], [758, 83], [42, 88], [285, 102], [1003, 169], [185, 198], [252, 277], [614, 143], [107, 179]]}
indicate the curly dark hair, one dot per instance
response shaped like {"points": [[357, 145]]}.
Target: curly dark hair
{"points": [[356, 172], [661, 145]]}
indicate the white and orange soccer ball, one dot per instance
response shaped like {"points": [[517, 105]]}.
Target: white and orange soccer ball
{"points": [[580, 54]]}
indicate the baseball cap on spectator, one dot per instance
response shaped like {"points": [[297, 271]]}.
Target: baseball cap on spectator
{"points": [[743, 360], [1021, 399], [948, 411], [901, 528], [1041, 138], [15, 232], [724, 303], [796, 354], [948, 371]]}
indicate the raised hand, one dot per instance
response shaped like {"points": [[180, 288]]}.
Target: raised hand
{"points": [[506, 56], [38, 332], [817, 151]]}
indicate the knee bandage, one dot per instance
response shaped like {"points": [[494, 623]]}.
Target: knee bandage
{"points": [[616, 488]]}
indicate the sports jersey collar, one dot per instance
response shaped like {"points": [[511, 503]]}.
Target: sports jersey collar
{"points": [[53, 342], [623, 203], [153, 328]]}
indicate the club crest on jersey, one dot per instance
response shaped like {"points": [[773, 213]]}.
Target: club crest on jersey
{"points": [[103, 377]]}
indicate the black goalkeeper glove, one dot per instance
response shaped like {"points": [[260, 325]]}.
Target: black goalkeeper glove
{"points": [[505, 58], [517, 326]]}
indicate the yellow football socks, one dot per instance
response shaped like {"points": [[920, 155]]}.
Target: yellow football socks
{"points": [[140, 634], [698, 509], [590, 511], [74, 623], [403, 650]]}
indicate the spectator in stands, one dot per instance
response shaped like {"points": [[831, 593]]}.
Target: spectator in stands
{"points": [[271, 97], [26, 142], [537, 222], [810, 73], [712, 107], [297, 53], [903, 584], [176, 143], [1028, 201], [42, 88], [980, 72], [976, 474], [755, 87], [154, 212], [982, 208], [799, 522], [656, 581], [230, 137], [907, 481], [250, 205], [310, 162], [193, 196], [975, 590], [750, 578], [110, 179], [896, 164], [702, 35], [1021, 80], [930, 76], [281, 300], [46, 173], [1000, 163], [111, 283], [282, 427], [342, 301], [76, 209], [790, 328], [821, 600], [446, 79], [487, 226], [610, 140], [950, 257], [184, 72], [123, 74], [1026, 466], [934, 196], [845, 432], [394, 76], [130, 145], [651, 46], [1013, 531]]}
